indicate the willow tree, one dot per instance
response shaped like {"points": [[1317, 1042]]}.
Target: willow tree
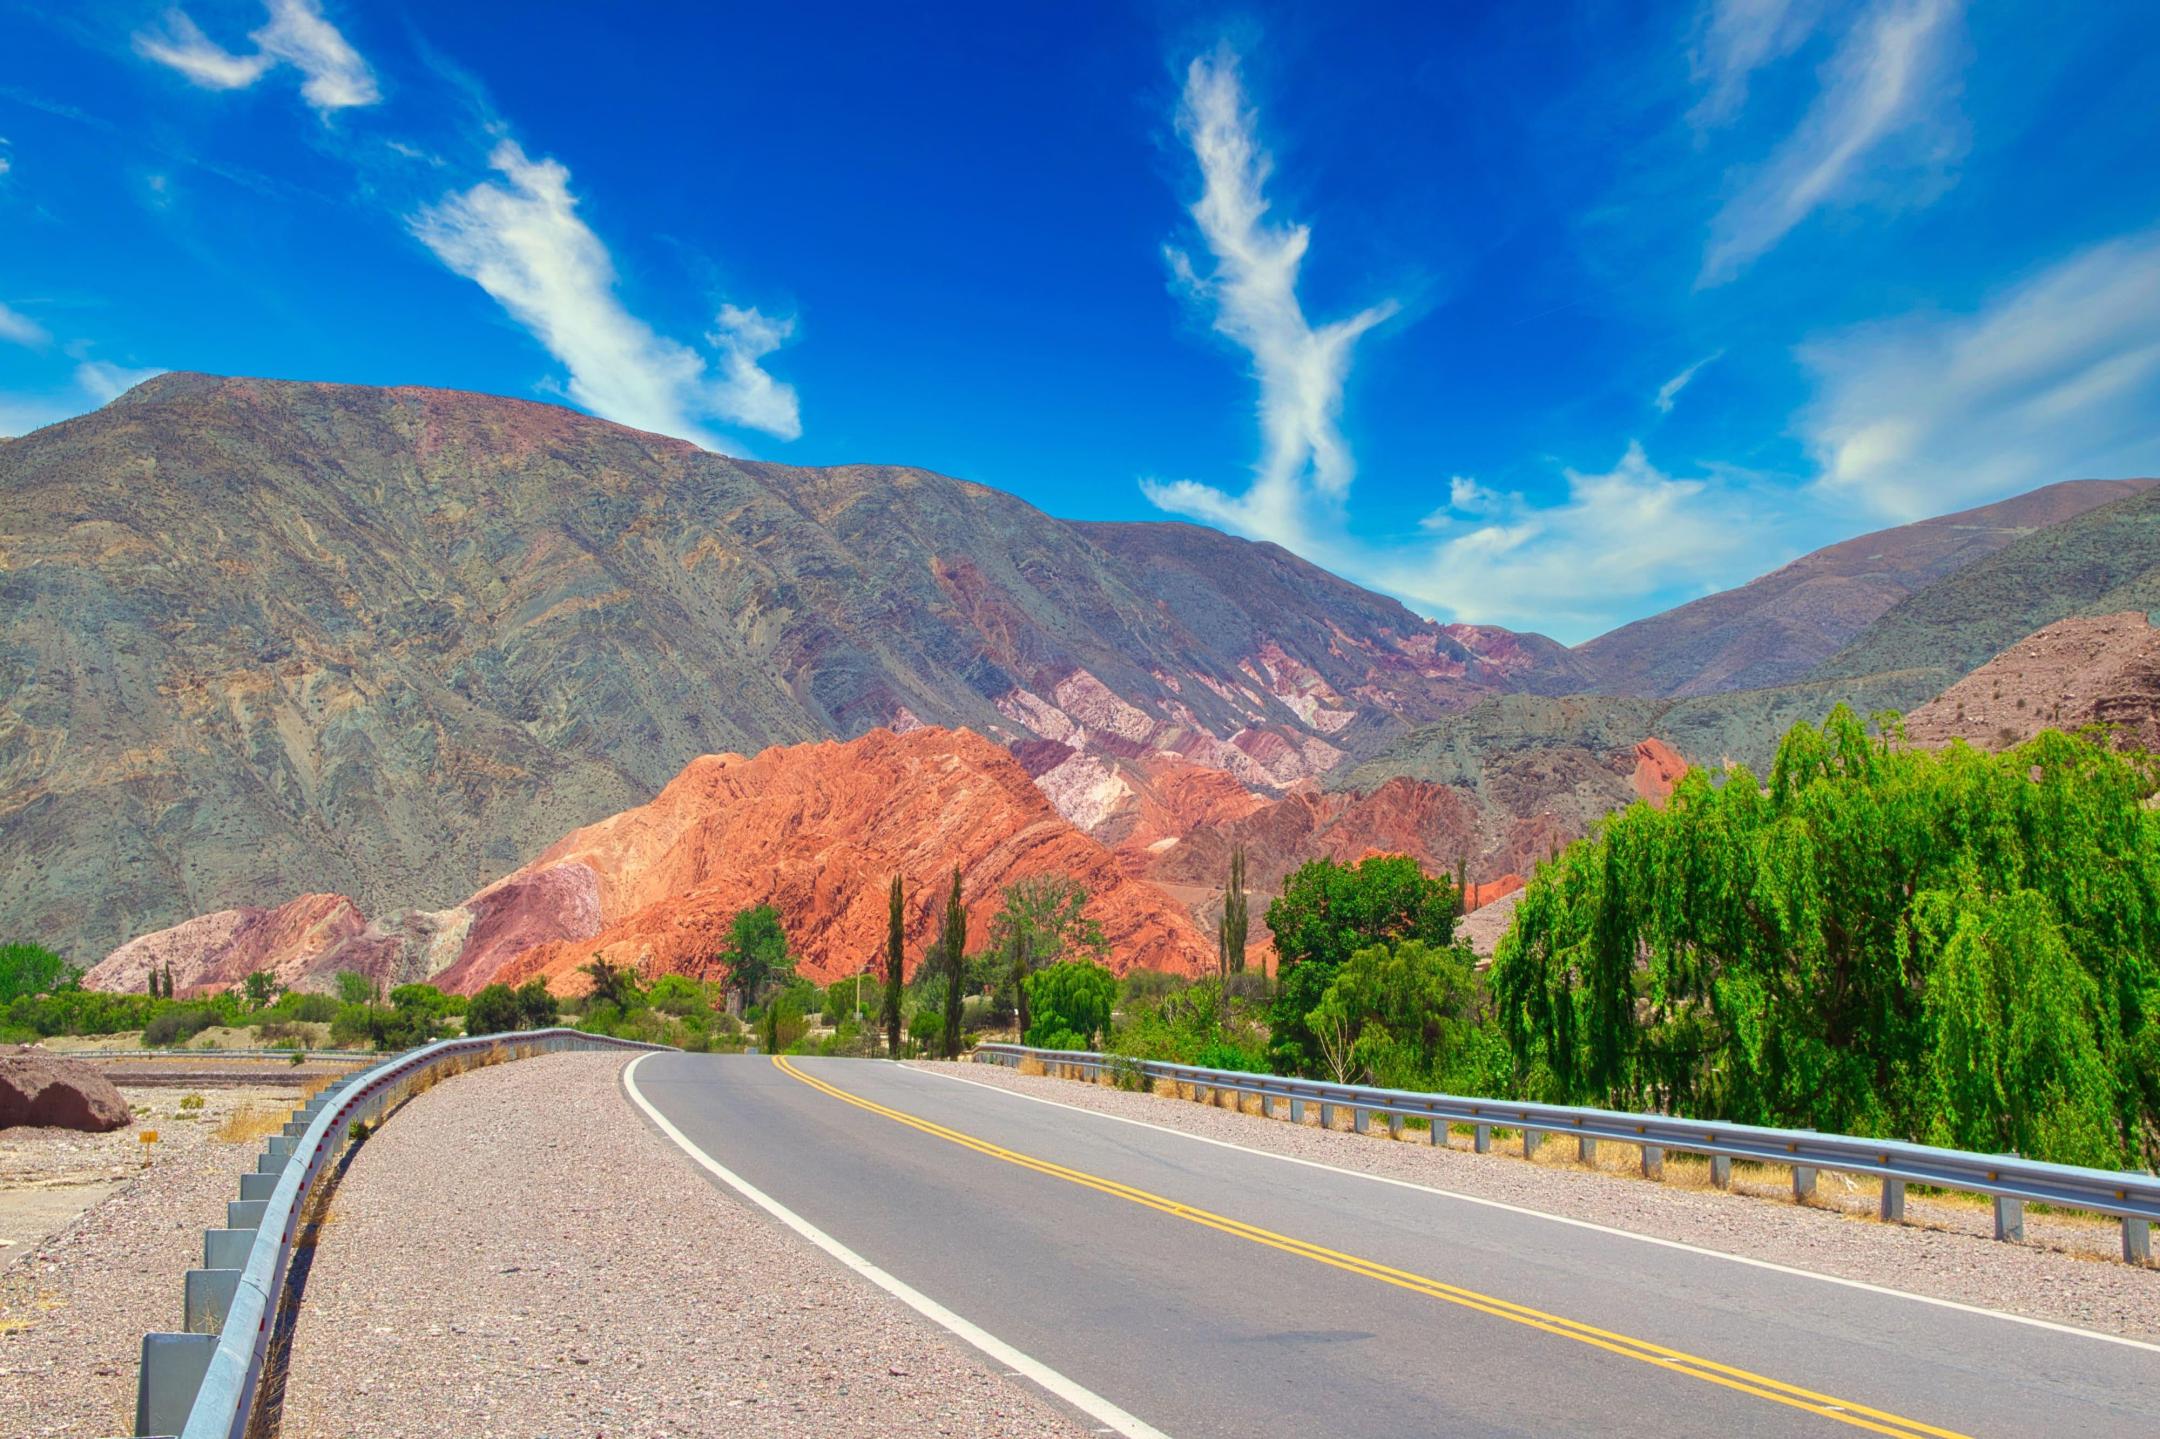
{"points": [[1940, 945], [895, 964], [952, 949]]}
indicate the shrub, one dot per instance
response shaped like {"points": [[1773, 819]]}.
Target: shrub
{"points": [[27, 969], [677, 994], [494, 1010], [537, 1005], [275, 1032], [178, 1025], [304, 1007], [1069, 1004]]}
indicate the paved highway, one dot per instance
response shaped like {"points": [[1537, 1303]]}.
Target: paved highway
{"points": [[1196, 1290]]}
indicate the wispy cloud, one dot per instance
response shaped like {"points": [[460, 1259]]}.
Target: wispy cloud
{"points": [[1734, 39], [1250, 289], [2054, 379], [92, 383], [1669, 392], [1631, 532], [19, 329], [1891, 79], [296, 33], [523, 242], [105, 382]]}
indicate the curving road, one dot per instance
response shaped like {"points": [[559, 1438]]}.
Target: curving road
{"points": [[1170, 1285]]}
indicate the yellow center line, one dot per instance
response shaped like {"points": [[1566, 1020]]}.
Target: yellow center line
{"points": [[1860, 1416]]}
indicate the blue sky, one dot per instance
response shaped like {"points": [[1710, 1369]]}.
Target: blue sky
{"points": [[1547, 316]]}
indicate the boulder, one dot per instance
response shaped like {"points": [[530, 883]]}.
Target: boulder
{"points": [[44, 1090]]}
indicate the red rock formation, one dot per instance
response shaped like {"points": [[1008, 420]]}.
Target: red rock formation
{"points": [[43, 1090], [2100, 670], [818, 831], [215, 951], [1658, 768]]}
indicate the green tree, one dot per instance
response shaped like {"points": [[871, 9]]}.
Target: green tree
{"points": [[1230, 930], [612, 984], [677, 994], [757, 956], [1932, 945], [952, 952], [536, 1004], [168, 979], [27, 969], [1070, 1003], [1397, 1017], [494, 1010], [1328, 912], [895, 964], [260, 987], [353, 987], [1043, 921]]}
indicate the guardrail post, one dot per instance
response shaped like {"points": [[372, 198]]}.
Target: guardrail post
{"points": [[1891, 1209], [2137, 1241], [1482, 1142], [226, 1248], [173, 1366], [1359, 1119], [2009, 1219], [1653, 1162], [1439, 1133], [1327, 1116], [206, 1297], [257, 1186], [1297, 1111], [244, 1213], [1585, 1149], [1267, 1106], [1803, 1183], [1721, 1171], [1394, 1126], [1530, 1140]]}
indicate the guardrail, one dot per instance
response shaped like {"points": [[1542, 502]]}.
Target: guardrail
{"points": [[183, 1052], [200, 1384], [2008, 1179]]}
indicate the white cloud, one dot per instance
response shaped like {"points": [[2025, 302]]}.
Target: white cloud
{"points": [[1566, 568], [2055, 379], [1891, 78], [105, 382], [296, 34], [20, 329], [1251, 288], [523, 242], [1734, 39], [1669, 392]]}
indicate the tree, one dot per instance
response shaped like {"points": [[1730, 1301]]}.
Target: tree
{"points": [[1326, 913], [757, 955], [676, 994], [952, 950], [1943, 945], [1230, 931], [494, 1010], [1071, 1003], [537, 1007], [260, 987], [353, 987], [1042, 922], [156, 986], [895, 964], [614, 984], [168, 979], [27, 969], [1396, 1017]]}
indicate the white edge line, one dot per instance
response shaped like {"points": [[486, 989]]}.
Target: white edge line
{"points": [[1078, 1395], [1594, 1227]]}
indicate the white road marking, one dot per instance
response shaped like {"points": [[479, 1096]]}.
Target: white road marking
{"points": [[1087, 1401], [1590, 1225]]}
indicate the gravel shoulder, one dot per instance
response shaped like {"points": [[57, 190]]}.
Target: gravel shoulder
{"points": [[517, 1252], [102, 1227], [2069, 1271]]}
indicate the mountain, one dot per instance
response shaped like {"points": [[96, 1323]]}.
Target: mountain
{"points": [[1779, 628], [815, 830], [262, 638], [2102, 562], [2099, 670]]}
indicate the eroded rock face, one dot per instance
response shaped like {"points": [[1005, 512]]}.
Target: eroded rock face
{"points": [[2103, 670], [42, 1090]]}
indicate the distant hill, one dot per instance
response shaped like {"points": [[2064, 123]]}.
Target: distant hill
{"points": [[2102, 669], [1779, 628], [2101, 562], [262, 638]]}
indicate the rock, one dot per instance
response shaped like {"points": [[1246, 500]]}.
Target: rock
{"points": [[2099, 670], [42, 1090]]}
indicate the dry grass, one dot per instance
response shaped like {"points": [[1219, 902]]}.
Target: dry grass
{"points": [[247, 1124], [1029, 1064]]}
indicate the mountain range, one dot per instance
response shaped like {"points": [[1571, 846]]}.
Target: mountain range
{"points": [[367, 651]]}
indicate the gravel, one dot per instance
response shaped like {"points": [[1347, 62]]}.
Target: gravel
{"points": [[517, 1251], [100, 1245], [2069, 1270]]}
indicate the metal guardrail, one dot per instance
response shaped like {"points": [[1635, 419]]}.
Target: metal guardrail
{"points": [[2008, 1179], [181, 1051], [201, 1384]]}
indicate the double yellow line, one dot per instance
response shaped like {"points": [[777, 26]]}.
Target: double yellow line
{"points": [[1859, 1416]]}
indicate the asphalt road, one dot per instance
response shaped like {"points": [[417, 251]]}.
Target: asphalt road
{"points": [[1211, 1291]]}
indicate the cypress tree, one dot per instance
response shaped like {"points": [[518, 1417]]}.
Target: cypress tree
{"points": [[1230, 932], [895, 940], [955, 956], [168, 979]]}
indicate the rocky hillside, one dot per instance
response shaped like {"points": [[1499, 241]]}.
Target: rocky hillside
{"points": [[816, 830], [1777, 629], [260, 638], [2102, 670]]}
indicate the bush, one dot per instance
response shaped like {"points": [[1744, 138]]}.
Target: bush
{"points": [[677, 994], [27, 969], [494, 1010], [537, 1005], [306, 1008], [178, 1025], [1069, 1004], [276, 1032]]}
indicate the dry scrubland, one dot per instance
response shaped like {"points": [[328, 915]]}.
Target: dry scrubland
{"points": [[2069, 1271], [520, 1248], [104, 1226]]}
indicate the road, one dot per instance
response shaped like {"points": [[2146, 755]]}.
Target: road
{"points": [[1212, 1291]]}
